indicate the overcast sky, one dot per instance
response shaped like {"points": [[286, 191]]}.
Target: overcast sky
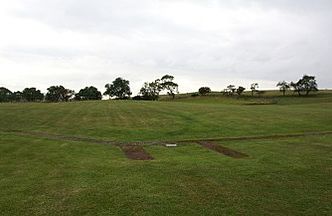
{"points": [[213, 43]]}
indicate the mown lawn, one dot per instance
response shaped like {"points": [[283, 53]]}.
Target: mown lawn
{"points": [[186, 119], [285, 176], [281, 177]]}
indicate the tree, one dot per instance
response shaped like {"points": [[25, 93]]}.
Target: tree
{"points": [[168, 84], [240, 90], [69, 95], [230, 90], [204, 90], [17, 96], [32, 95], [58, 94], [306, 84], [283, 86], [150, 91], [119, 89], [88, 93], [5, 95], [254, 87]]}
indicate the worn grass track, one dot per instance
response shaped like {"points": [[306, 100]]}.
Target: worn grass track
{"points": [[156, 142]]}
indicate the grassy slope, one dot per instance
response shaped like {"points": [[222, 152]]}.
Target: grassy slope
{"points": [[189, 118], [286, 176]]}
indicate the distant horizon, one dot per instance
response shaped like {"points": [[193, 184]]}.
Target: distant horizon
{"points": [[247, 88]]}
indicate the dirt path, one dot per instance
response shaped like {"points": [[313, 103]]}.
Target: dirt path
{"points": [[223, 150], [258, 137]]}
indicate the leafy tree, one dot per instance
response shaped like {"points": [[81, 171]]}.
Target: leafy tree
{"points": [[230, 90], [32, 95], [306, 84], [69, 94], [58, 94], [5, 95], [204, 90], [88, 93], [283, 86], [240, 90], [254, 87], [150, 91], [17, 96], [119, 89], [168, 84]]}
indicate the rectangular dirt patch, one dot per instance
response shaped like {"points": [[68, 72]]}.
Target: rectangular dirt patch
{"points": [[223, 150], [136, 152]]}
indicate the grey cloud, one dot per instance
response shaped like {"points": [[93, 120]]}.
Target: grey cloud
{"points": [[283, 41]]}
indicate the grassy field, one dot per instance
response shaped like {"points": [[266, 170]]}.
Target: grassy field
{"points": [[187, 118], [281, 176]]}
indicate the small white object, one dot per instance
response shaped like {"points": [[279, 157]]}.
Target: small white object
{"points": [[171, 145]]}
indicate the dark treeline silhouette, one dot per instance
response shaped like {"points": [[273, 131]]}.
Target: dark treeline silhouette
{"points": [[120, 89], [28, 94], [54, 94], [303, 86]]}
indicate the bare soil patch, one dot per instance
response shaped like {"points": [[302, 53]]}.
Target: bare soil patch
{"points": [[223, 150], [136, 152]]}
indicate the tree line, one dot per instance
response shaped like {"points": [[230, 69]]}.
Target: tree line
{"points": [[303, 86], [120, 89]]}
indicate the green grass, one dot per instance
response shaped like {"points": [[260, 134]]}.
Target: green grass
{"points": [[195, 118], [288, 176], [281, 177]]}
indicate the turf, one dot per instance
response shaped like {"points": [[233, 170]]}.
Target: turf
{"points": [[195, 118], [281, 177], [284, 176]]}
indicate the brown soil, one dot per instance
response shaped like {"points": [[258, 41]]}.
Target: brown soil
{"points": [[136, 152], [223, 150]]}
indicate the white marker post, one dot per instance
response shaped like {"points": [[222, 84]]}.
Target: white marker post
{"points": [[171, 145]]}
